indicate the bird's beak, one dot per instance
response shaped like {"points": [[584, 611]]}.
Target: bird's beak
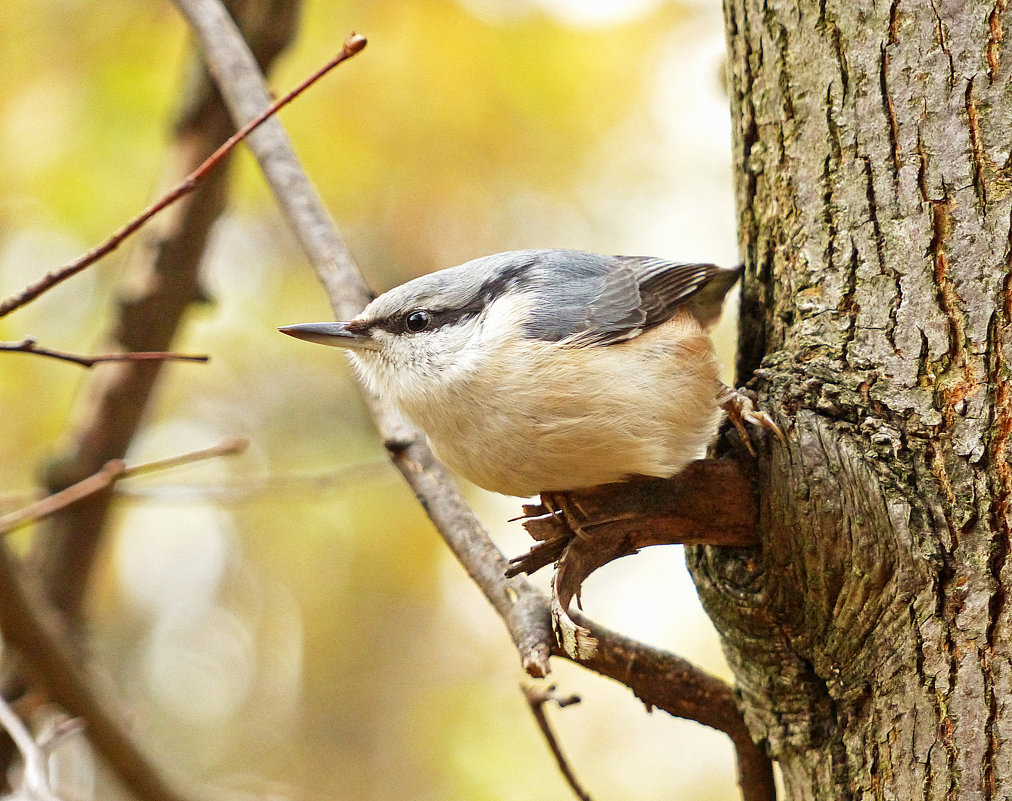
{"points": [[335, 334]]}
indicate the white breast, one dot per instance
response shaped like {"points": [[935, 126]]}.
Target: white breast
{"points": [[534, 416]]}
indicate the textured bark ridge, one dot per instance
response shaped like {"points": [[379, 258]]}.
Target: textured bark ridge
{"points": [[871, 640]]}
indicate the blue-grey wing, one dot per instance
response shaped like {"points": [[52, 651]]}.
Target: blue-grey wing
{"points": [[606, 299]]}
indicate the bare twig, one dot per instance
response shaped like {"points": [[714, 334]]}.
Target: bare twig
{"points": [[232, 446], [29, 346], [53, 503], [521, 607], [239, 488], [111, 472], [244, 487], [665, 681], [536, 698], [352, 45], [161, 283]]}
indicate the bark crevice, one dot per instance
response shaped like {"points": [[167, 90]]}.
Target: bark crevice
{"points": [[876, 225]]}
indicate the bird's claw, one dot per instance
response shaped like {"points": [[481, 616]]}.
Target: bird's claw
{"points": [[741, 409]]}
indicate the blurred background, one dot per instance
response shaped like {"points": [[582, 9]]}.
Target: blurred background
{"points": [[287, 622]]}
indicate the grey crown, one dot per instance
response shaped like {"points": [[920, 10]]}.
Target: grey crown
{"points": [[583, 297]]}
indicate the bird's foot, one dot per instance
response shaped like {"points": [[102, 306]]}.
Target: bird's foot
{"points": [[741, 409]]}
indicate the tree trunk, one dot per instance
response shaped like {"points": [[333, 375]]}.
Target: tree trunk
{"points": [[870, 635]]}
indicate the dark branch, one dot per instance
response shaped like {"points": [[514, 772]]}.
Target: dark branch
{"points": [[711, 502], [30, 346], [162, 283], [665, 681], [31, 626], [41, 604]]}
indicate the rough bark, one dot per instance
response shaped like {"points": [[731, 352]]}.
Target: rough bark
{"points": [[871, 638]]}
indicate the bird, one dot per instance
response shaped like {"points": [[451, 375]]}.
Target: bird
{"points": [[545, 371]]}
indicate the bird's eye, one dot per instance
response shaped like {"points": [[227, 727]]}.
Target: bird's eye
{"points": [[417, 321]]}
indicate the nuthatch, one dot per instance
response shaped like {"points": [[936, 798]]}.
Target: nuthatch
{"points": [[550, 370]]}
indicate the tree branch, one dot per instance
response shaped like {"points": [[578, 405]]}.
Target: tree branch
{"points": [[524, 610], [352, 45], [30, 346], [51, 504], [711, 502], [243, 488], [32, 626], [111, 472], [163, 281], [518, 603], [665, 681]]}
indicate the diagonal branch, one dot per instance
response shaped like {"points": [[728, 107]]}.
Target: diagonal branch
{"points": [[524, 610], [518, 603], [665, 681], [30, 624], [352, 46], [112, 471], [51, 504]]}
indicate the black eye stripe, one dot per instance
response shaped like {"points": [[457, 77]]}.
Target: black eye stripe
{"points": [[489, 291], [398, 323]]}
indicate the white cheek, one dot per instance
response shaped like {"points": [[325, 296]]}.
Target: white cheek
{"points": [[504, 320], [443, 355], [411, 369]]}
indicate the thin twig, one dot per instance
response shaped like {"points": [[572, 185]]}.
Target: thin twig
{"points": [[240, 488], [228, 447], [352, 45], [51, 504], [519, 604], [29, 345], [111, 472], [536, 698], [663, 680], [243, 488]]}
